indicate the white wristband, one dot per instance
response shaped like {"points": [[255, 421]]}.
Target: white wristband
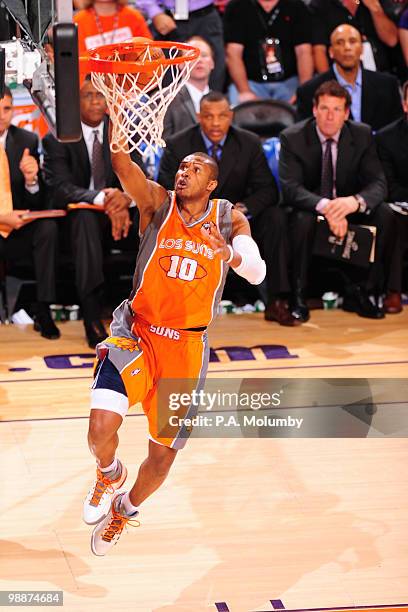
{"points": [[231, 257]]}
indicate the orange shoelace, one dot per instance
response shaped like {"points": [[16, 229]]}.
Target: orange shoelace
{"points": [[117, 524], [102, 484]]}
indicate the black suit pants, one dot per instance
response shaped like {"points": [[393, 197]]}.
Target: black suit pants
{"points": [[91, 239], [36, 242], [378, 278], [270, 231]]}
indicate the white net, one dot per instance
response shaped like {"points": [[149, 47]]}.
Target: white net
{"points": [[137, 102]]}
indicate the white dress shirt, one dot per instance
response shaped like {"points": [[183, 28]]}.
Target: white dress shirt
{"points": [[321, 205], [89, 136], [196, 95]]}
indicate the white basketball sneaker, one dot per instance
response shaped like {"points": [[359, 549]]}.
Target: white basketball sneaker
{"points": [[98, 501], [107, 533]]}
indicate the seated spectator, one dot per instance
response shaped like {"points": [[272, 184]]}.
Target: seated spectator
{"points": [[182, 112], [82, 172], [403, 34], [21, 190], [375, 97], [268, 48], [392, 146], [379, 32], [104, 22], [245, 180], [329, 166], [201, 18]]}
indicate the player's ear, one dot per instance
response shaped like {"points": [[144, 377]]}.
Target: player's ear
{"points": [[212, 185]]}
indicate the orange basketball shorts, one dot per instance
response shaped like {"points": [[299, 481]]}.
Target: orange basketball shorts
{"points": [[149, 367]]}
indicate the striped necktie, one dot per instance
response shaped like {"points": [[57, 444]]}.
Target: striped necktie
{"points": [[6, 199], [98, 164], [327, 179], [216, 150]]}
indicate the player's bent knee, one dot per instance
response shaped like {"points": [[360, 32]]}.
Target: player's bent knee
{"points": [[103, 425], [161, 458]]}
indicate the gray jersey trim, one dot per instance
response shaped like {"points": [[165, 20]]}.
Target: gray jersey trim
{"points": [[224, 224], [148, 244], [183, 434]]}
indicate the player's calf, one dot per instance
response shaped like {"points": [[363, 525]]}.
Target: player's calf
{"points": [[99, 498]]}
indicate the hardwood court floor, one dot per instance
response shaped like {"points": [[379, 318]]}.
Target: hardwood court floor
{"points": [[313, 522]]}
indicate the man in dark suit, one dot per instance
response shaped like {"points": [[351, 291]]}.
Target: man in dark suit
{"points": [[329, 166], [392, 147], [375, 95], [245, 180], [182, 112], [82, 173], [20, 191]]}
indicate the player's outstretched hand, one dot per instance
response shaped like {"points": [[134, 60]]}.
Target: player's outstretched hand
{"points": [[216, 241]]}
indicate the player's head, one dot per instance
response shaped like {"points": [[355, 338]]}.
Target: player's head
{"points": [[6, 110], [215, 116], [196, 177], [205, 63], [92, 104], [331, 107], [346, 46]]}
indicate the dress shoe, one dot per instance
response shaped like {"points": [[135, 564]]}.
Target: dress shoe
{"points": [[277, 310], [392, 303], [43, 322], [298, 307], [357, 300], [95, 332]]}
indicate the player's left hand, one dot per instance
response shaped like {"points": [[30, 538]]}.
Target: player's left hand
{"points": [[120, 224], [216, 241], [29, 167], [115, 200]]}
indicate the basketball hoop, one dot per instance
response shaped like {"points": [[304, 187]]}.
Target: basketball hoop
{"points": [[139, 79]]}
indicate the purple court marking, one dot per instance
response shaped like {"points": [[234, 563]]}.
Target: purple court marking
{"points": [[19, 369], [371, 606], [222, 606], [277, 604], [308, 367], [299, 367]]}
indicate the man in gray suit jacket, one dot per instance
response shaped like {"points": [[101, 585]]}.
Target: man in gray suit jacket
{"points": [[329, 166], [182, 112]]}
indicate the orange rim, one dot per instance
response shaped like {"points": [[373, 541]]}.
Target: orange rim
{"points": [[97, 60]]}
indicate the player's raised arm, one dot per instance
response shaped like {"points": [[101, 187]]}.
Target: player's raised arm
{"points": [[147, 195]]}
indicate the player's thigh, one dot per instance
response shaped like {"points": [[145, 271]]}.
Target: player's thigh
{"points": [[183, 367]]}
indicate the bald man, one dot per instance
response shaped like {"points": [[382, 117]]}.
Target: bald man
{"points": [[375, 97]]}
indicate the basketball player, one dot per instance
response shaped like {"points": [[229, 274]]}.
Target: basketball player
{"points": [[187, 243]]}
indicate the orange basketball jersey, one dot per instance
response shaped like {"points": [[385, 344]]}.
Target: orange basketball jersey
{"points": [[178, 280]]}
